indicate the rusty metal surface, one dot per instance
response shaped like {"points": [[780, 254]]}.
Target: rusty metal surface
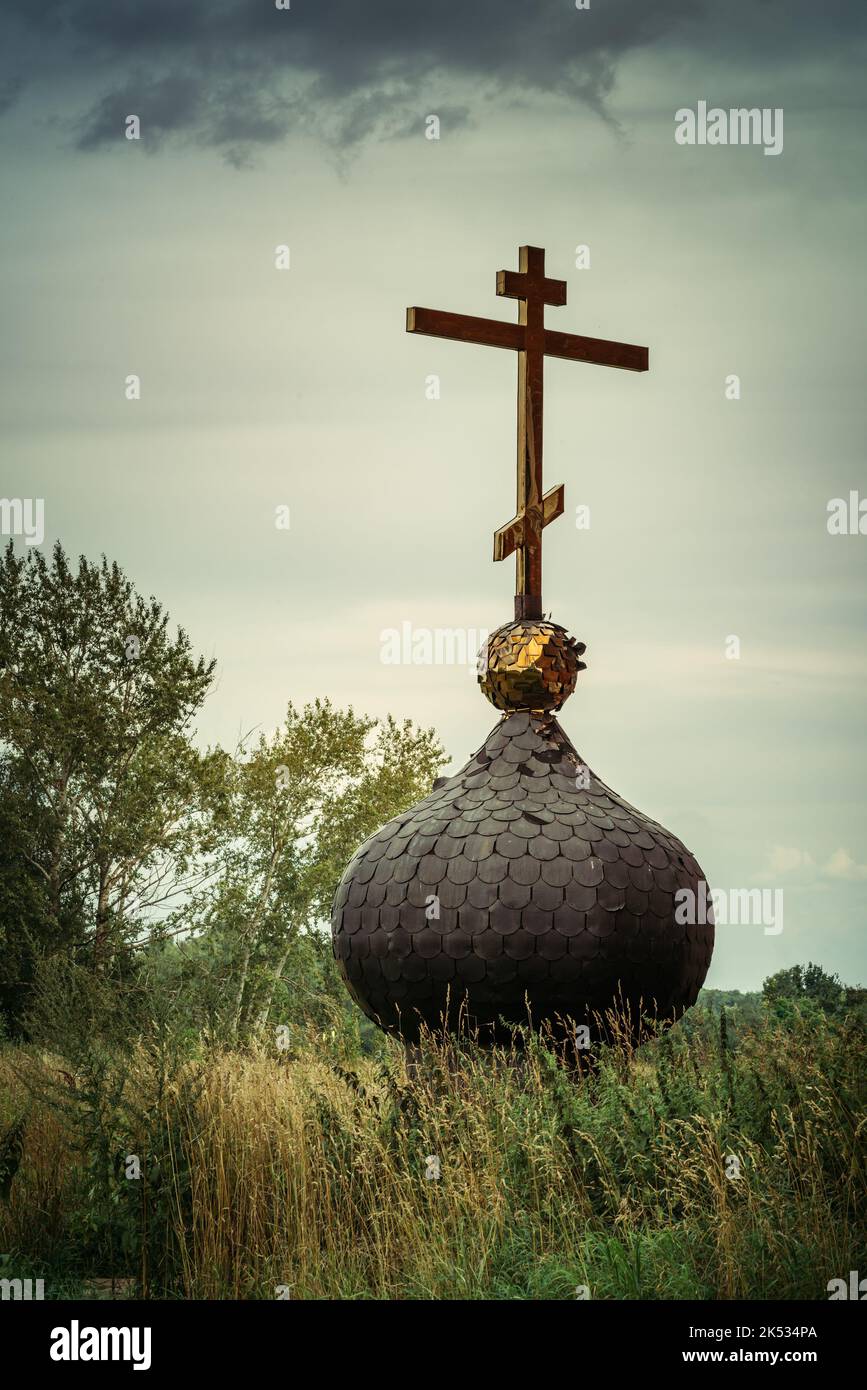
{"points": [[533, 289], [543, 886]]}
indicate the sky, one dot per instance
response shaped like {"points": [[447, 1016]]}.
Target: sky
{"points": [[263, 387]]}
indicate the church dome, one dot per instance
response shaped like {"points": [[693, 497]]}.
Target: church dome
{"points": [[521, 879], [523, 883]]}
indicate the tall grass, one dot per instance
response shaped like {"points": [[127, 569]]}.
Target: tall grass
{"points": [[694, 1167]]}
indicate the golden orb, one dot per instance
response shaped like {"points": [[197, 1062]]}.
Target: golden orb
{"points": [[531, 664]]}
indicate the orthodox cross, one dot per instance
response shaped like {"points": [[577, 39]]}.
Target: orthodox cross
{"points": [[533, 342]]}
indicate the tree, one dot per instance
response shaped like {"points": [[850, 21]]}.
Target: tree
{"points": [[298, 805], [808, 987], [105, 796]]}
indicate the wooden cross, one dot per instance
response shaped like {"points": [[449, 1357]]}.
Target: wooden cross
{"points": [[533, 342]]}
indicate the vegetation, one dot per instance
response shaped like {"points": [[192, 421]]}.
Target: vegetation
{"points": [[191, 1107], [118, 834], [695, 1167]]}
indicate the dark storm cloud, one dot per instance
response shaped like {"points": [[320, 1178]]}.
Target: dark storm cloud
{"points": [[237, 74], [171, 103]]}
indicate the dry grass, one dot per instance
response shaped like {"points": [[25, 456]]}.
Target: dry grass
{"points": [[308, 1173]]}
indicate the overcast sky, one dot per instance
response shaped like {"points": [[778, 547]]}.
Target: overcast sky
{"points": [[263, 387]]}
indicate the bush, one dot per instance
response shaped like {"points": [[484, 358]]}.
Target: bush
{"points": [[712, 1163]]}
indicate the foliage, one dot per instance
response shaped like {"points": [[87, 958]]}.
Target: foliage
{"points": [[190, 1102], [117, 833], [296, 806], [808, 989], [307, 1169], [102, 784]]}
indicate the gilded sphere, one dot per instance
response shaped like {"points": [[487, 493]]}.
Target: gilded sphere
{"points": [[530, 664]]}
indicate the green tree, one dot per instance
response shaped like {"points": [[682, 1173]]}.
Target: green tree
{"points": [[807, 987], [105, 797], [298, 805]]}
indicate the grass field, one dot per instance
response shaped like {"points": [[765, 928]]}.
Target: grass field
{"points": [[714, 1162]]}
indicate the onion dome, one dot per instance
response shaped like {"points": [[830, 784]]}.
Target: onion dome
{"points": [[521, 881], [522, 885]]}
